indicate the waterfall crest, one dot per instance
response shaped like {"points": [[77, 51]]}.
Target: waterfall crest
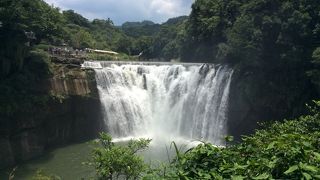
{"points": [[165, 101]]}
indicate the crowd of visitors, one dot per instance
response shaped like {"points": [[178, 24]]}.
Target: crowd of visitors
{"points": [[66, 52]]}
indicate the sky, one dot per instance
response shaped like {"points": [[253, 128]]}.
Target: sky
{"points": [[121, 11]]}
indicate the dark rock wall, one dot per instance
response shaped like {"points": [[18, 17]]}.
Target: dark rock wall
{"points": [[73, 114], [263, 96]]}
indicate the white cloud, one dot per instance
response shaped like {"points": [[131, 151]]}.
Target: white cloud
{"points": [[127, 10], [56, 3], [164, 7]]}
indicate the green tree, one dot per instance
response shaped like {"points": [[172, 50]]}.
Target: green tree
{"points": [[123, 44], [143, 44], [113, 161], [168, 40], [82, 39], [207, 27], [105, 33], [138, 29], [75, 18], [18, 18]]}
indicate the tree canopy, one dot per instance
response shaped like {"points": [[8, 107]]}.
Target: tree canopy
{"points": [[18, 18]]}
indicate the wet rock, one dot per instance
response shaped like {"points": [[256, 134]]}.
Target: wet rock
{"points": [[28, 145], [6, 154], [72, 114], [140, 70], [145, 86], [204, 69]]}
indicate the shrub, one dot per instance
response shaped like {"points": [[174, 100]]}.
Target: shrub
{"points": [[114, 161]]}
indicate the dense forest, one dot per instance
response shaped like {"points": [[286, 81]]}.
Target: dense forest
{"points": [[273, 46], [257, 34]]}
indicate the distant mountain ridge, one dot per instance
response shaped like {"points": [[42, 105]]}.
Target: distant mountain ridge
{"points": [[137, 24], [137, 29], [148, 28]]}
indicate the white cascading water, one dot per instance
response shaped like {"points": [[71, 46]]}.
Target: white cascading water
{"points": [[92, 65], [165, 101]]}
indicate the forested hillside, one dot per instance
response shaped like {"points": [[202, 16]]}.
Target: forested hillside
{"points": [[35, 22], [273, 46], [161, 42], [138, 29], [256, 34]]}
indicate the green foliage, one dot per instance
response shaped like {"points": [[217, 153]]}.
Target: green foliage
{"points": [[116, 161], [138, 29], [207, 27], [75, 18], [285, 150], [275, 27], [166, 43], [82, 39], [153, 40], [104, 34], [143, 44], [34, 15], [23, 90], [39, 61], [80, 33], [272, 46], [255, 33], [123, 44], [17, 18]]}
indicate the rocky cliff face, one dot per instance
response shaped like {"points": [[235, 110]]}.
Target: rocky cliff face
{"points": [[258, 96], [71, 114]]}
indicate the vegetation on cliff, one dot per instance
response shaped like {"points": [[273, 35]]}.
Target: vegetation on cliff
{"points": [[20, 21], [27, 30], [22, 67], [272, 46], [269, 36]]}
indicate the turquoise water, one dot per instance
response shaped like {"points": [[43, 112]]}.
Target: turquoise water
{"points": [[66, 163]]}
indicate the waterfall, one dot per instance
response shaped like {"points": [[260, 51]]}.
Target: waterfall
{"points": [[93, 65], [188, 101]]}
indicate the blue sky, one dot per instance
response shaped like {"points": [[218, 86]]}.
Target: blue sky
{"points": [[121, 11]]}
